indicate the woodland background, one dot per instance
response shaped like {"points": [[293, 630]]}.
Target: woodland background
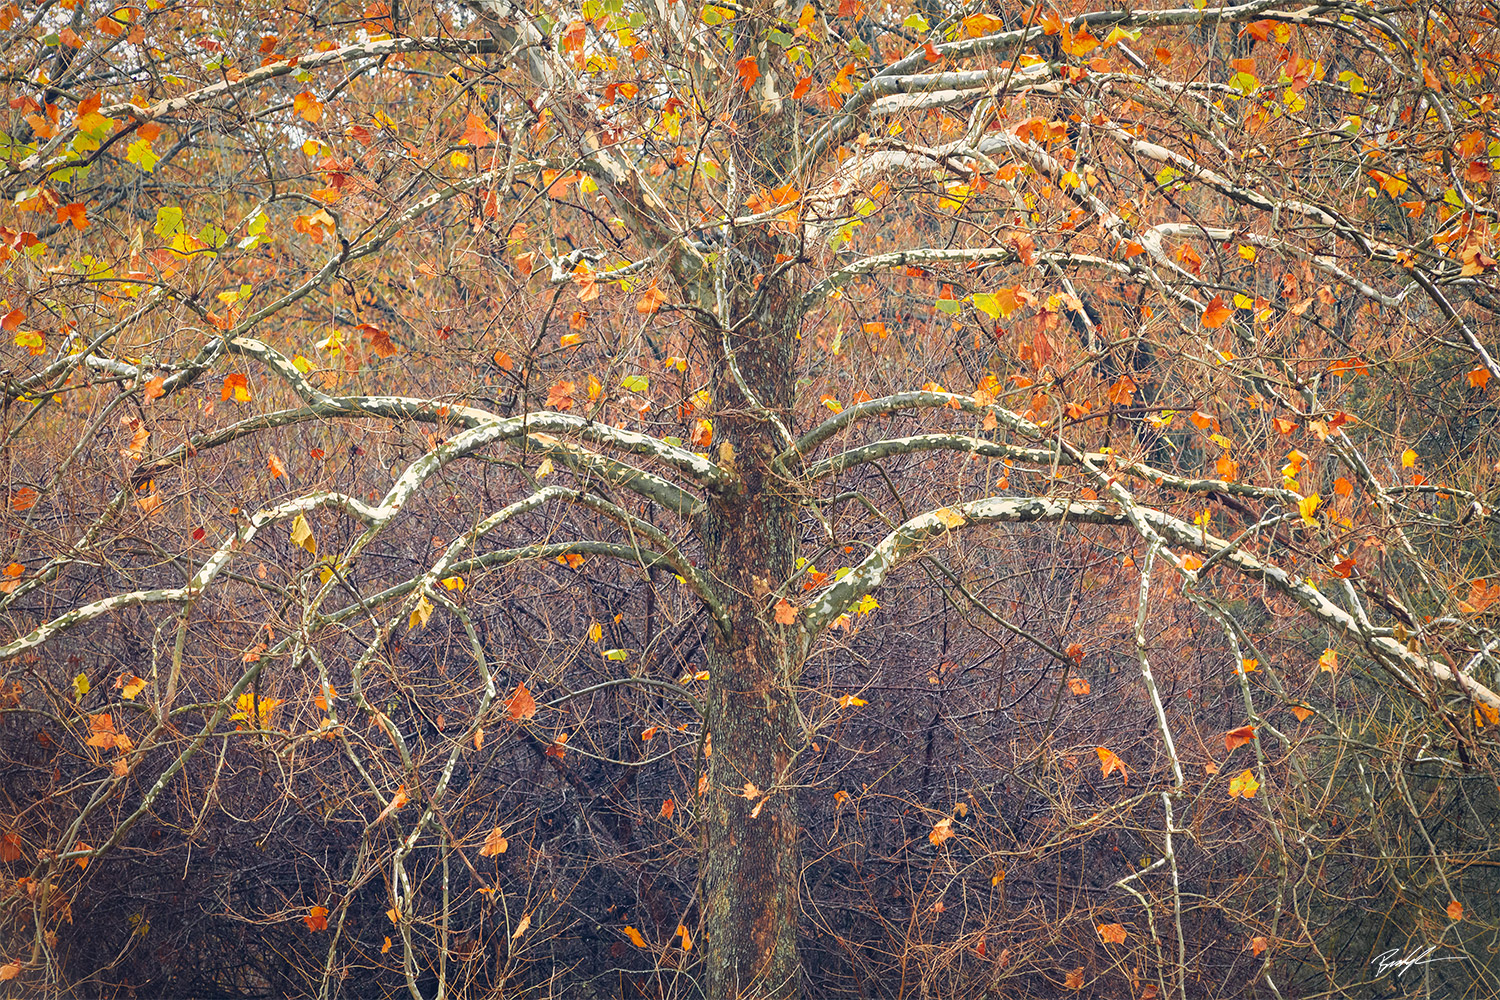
{"points": [[200, 798]]}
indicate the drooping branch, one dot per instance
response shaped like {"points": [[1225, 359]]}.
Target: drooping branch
{"points": [[908, 539]]}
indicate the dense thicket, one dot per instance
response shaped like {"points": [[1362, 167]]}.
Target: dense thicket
{"points": [[676, 499]]}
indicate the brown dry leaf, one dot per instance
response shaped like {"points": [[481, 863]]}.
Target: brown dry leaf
{"points": [[1074, 980], [494, 844], [10, 970], [521, 927], [1259, 944]]}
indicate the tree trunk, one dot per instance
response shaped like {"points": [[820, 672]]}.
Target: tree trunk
{"points": [[751, 869]]}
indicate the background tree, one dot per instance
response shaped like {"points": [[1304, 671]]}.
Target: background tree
{"points": [[486, 515]]}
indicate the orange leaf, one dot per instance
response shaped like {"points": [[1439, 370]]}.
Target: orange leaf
{"points": [[941, 831], [651, 300], [397, 801], [494, 844], [1302, 712], [12, 319], [635, 937], [668, 807], [308, 106], [1111, 933], [317, 918], [1283, 426], [521, 705], [1238, 737], [1111, 763], [476, 132], [274, 464], [749, 71], [786, 612], [10, 970], [1478, 377], [803, 86], [24, 498], [560, 395], [1217, 313], [1122, 392], [1259, 944], [1078, 685], [1074, 980], [1455, 910], [1243, 785]]}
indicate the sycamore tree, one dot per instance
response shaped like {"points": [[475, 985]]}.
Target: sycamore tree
{"points": [[322, 326]]}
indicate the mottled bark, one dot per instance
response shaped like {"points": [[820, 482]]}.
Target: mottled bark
{"points": [[751, 868]]}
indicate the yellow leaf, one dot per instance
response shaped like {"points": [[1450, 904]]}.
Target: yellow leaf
{"points": [[1308, 506], [596, 632], [545, 469], [80, 687], [849, 701], [420, 614], [948, 517], [866, 605], [1408, 459], [1328, 662], [302, 535], [453, 582], [133, 686]]}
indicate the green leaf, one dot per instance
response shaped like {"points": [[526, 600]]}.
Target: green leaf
{"points": [[949, 306], [916, 23], [987, 303]]}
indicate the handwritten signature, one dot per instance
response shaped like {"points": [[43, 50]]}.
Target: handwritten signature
{"points": [[1393, 959]]}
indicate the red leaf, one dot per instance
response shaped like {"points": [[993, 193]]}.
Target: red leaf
{"points": [[749, 71]]}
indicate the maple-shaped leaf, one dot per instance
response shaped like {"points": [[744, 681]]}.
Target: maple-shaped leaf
{"points": [[785, 611], [560, 395], [1111, 763], [520, 706], [1238, 737], [317, 918], [476, 132], [494, 844], [1479, 377], [1244, 785], [748, 70], [668, 807], [977, 25], [237, 387], [308, 106], [1216, 314], [1111, 933]]}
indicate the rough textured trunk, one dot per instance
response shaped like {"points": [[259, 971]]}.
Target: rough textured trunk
{"points": [[751, 870]]}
